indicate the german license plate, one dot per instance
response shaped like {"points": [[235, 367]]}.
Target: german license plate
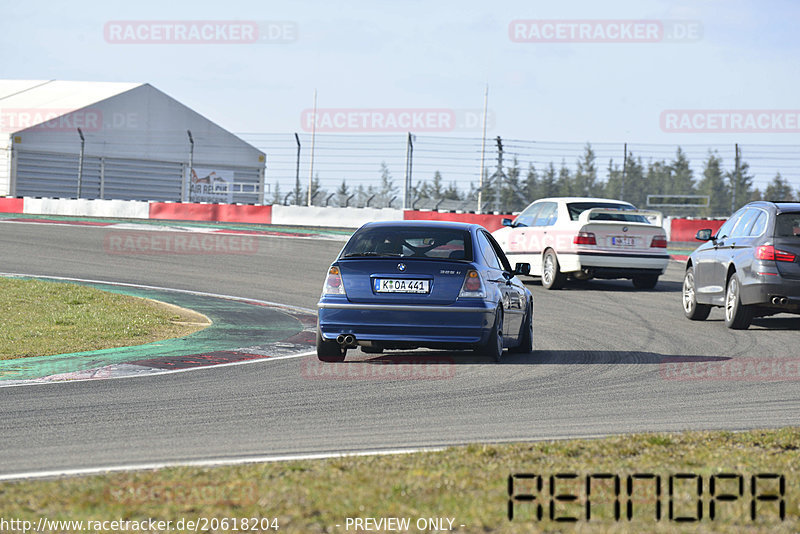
{"points": [[622, 241], [394, 285]]}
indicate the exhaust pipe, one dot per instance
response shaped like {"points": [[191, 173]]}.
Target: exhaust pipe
{"points": [[780, 301], [346, 340]]}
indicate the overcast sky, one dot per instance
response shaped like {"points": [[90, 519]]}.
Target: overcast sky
{"points": [[376, 56]]}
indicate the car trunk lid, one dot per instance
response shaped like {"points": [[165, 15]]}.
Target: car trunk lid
{"points": [[623, 231], [402, 280]]}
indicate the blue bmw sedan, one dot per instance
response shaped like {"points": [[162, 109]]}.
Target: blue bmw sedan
{"points": [[411, 284]]}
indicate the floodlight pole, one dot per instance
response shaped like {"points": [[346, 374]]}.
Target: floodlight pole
{"points": [[735, 178], [297, 172], [313, 139], [191, 163], [624, 170], [80, 163], [483, 148]]}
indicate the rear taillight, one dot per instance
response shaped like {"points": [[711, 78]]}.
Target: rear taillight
{"points": [[473, 285], [770, 253], [659, 241], [584, 238], [333, 283]]}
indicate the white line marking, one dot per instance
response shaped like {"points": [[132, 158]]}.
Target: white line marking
{"points": [[157, 288], [263, 359], [143, 227], [208, 463], [35, 382]]}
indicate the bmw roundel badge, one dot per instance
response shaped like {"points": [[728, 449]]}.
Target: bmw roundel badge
{"points": [[401, 266]]}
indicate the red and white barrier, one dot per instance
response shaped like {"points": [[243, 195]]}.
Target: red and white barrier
{"points": [[678, 230]]}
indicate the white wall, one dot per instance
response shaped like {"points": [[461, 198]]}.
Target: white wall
{"points": [[125, 209], [333, 217]]}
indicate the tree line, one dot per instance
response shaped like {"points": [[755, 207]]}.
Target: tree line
{"points": [[632, 180]]}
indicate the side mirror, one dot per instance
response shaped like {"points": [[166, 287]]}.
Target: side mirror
{"points": [[508, 222], [704, 234], [522, 269]]}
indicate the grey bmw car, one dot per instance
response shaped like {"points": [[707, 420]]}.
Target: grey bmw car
{"points": [[751, 267]]}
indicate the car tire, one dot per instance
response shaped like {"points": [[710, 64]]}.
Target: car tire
{"points": [[552, 277], [494, 345], [525, 335], [645, 282], [329, 351], [737, 315], [691, 309]]}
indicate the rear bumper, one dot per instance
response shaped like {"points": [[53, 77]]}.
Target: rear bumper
{"points": [[762, 293], [622, 263], [457, 324]]}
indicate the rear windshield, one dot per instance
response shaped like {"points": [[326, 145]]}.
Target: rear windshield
{"points": [[409, 242], [788, 225], [576, 208]]}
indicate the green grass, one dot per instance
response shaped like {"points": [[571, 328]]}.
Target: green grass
{"points": [[468, 484], [42, 318]]}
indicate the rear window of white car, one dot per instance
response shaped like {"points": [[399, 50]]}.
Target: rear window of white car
{"points": [[576, 208], [410, 242]]}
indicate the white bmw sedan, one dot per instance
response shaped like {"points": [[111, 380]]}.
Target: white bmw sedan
{"points": [[582, 238]]}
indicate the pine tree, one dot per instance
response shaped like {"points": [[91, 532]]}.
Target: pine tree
{"points": [[276, 193], [512, 198], [387, 188], [658, 178], [586, 175], [342, 192], [564, 184], [681, 179], [613, 186], [549, 182], [779, 189], [317, 193], [713, 185], [452, 192], [532, 186], [633, 185], [741, 184]]}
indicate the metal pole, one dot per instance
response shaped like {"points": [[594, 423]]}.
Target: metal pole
{"points": [[408, 172], [735, 177], [191, 164], [80, 163], [313, 138], [624, 168], [297, 172], [483, 147], [498, 174]]}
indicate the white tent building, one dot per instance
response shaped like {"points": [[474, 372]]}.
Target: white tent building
{"points": [[129, 141]]}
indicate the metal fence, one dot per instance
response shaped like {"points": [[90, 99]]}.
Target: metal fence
{"points": [[359, 161]]}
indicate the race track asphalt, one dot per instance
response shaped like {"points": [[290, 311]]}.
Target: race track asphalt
{"points": [[604, 363]]}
